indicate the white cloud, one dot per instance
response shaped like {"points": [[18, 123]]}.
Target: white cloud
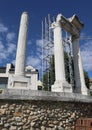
{"points": [[3, 56], [11, 48], [10, 36], [34, 61], [39, 42], [29, 42], [13, 62], [1, 46], [3, 28], [7, 44], [39, 47], [6, 51], [86, 51]]}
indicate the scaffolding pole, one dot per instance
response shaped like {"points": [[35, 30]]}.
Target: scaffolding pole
{"points": [[47, 47]]}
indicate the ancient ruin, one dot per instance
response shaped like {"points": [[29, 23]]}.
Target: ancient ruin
{"points": [[72, 25]]}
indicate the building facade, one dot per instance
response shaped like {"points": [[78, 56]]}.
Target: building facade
{"points": [[30, 72]]}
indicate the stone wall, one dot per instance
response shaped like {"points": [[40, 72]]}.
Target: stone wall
{"points": [[41, 115]]}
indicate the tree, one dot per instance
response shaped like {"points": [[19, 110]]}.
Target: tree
{"points": [[49, 76], [86, 79]]}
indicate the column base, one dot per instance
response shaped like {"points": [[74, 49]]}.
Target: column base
{"points": [[61, 87], [82, 90], [18, 82]]}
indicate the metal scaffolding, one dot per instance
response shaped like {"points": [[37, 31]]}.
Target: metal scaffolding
{"points": [[47, 47], [68, 57]]}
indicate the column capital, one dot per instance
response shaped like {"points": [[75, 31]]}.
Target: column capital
{"points": [[55, 25]]}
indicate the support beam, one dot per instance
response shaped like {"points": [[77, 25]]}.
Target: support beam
{"points": [[78, 68]]}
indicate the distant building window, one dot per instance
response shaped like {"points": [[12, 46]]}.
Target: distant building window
{"points": [[28, 70], [2, 69], [39, 87], [3, 80]]}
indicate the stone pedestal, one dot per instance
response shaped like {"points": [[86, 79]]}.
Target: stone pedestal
{"points": [[78, 68], [19, 82], [61, 85]]}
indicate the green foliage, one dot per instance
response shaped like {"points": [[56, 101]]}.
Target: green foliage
{"points": [[1, 90], [90, 93], [49, 75], [86, 79], [45, 81]]}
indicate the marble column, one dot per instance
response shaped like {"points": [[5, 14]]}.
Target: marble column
{"points": [[21, 48], [78, 68], [60, 84], [59, 53]]}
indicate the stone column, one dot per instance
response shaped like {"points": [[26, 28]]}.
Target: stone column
{"points": [[78, 68], [60, 80], [58, 53], [22, 42]]}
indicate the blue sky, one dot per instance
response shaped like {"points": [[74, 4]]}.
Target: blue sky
{"points": [[10, 12]]}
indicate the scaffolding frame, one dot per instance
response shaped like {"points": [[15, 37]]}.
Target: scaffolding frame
{"points": [[47, 47]]}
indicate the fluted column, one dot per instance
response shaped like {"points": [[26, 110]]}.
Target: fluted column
{"points": [[58, 53], [21, 48], [60, 85]]}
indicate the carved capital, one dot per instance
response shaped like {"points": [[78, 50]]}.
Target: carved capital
{"points": [[55, 25]]}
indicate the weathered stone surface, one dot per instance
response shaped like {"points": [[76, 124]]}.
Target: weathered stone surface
{"points": [[43, 128], [13, 128], [20, 124], [32, 124], [7, 125], [26, 127], [4, 129], [19, 128], [24, 120], [18, 119], [43, 115], [3, 111], [1, 123], [18, 114]]}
